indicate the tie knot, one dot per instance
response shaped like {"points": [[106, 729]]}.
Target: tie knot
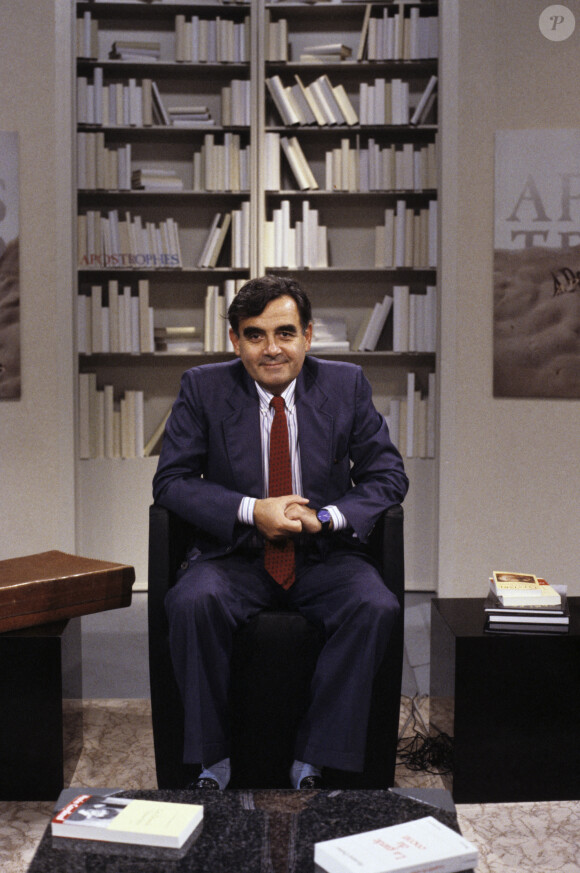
{"points": [[277, 403]]}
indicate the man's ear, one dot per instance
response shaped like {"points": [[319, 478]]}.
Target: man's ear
{"points": [[235, 341], [308, 336]]}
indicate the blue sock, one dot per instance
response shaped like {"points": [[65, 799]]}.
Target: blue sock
{"points": [[299, 770], [220, 771]]}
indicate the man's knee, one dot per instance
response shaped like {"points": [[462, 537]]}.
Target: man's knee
{"points": [[194, 597]]}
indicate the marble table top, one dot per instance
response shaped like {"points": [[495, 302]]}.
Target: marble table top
{"points": [[267, 831]]}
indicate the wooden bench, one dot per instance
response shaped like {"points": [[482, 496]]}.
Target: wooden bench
{"points": [[42, 597]]}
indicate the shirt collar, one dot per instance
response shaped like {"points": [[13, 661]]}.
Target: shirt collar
{"points": [[288, 395]]}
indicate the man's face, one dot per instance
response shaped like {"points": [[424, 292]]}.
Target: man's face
{"points": [[272, 345]]}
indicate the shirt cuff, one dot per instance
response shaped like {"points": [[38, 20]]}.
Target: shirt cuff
{"points": [[339, 521], [246, 510]]}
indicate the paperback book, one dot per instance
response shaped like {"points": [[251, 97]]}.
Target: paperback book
{"points": [[523, 589], [123, 820], [421, 846]]}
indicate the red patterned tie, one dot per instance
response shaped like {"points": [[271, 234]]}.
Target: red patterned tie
{"points": [[279, 556]]}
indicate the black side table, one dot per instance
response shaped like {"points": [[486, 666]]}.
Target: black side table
{"points": [[41, 733], [513, 705]]}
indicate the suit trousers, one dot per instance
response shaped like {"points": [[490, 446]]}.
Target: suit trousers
{"points": [[343, 594]]}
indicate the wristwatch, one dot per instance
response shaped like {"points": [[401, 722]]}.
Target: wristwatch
{"points": [[325, 519]]}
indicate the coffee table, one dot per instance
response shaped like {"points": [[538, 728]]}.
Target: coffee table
{"points": [[246, 832], [510, 701]]}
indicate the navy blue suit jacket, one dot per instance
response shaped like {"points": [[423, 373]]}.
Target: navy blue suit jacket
{"points": [[211, 453]]}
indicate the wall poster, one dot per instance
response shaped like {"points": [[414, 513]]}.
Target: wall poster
{"points": [[9, 269], [536, 310]]}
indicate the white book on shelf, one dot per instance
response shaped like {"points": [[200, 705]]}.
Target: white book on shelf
{"points": [[108, 421], [376, 324], [431, 318], [392, 418], [210, 315], [411, 410], [433, 234], [145, 344], [319, 95], [310, 98], [159, 106], [127, 426], [401, 318], [307, 116], [283, 104], [420, 425], [400, 228], [272, 161], [431, 416], [420, 110], [209, 240], [134, 324], [99, 427], [139, 425], [84, 327], [87, 390], [362, 43], [113, 297], [378, 115], [97, 94], [298, 163], [218, 241], [345, 104], [96, 319]]}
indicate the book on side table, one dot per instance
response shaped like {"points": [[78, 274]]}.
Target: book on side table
{"points": [[421, 846], [112, 819], [521, 602]]}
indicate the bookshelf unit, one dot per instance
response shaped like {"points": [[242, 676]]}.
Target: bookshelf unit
{"points": [[388, 165]]}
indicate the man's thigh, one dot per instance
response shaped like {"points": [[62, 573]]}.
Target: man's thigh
{"points": [[236, 586], [330, 591]]}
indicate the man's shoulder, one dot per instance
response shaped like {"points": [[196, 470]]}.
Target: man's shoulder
{"points": [[222, 372], [331, 372]]}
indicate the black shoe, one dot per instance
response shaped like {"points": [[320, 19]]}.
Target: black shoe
{"points": [[311, 782], [205, 783]]}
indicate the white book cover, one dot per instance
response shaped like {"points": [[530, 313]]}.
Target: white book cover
{"points": [[431, 416], [113, 293], [400, 318], [411, 409], [419, 846]]}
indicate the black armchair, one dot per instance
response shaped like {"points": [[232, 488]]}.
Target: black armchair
{"points": [[272, 665]]}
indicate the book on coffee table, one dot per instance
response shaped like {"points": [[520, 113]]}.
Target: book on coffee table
{"points": [[124, 820], [419, 846]]}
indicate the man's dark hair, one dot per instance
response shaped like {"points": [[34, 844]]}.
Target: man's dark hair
{"points": [[254, 296]]}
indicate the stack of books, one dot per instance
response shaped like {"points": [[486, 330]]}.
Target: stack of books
{"points": [[522, 602], [329, 335], [190, 116], [135, 50], [156, 179], [178, 339], [333, 52]]}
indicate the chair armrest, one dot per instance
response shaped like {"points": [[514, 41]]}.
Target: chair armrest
{"points": [[168, 539], [387, 545]]}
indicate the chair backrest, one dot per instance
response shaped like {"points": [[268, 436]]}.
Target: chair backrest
{"points": [[168, 539]]}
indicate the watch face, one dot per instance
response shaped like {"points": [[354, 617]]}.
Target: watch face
{"points": [[323, 515]]}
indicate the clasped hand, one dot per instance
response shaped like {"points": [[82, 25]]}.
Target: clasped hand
{"points": [[279, 517]]}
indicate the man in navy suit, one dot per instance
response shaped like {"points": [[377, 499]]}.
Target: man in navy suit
{"points": [[213, 471]]}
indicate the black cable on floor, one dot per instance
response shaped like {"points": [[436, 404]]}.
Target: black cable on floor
{"points": [[422, 751]]}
